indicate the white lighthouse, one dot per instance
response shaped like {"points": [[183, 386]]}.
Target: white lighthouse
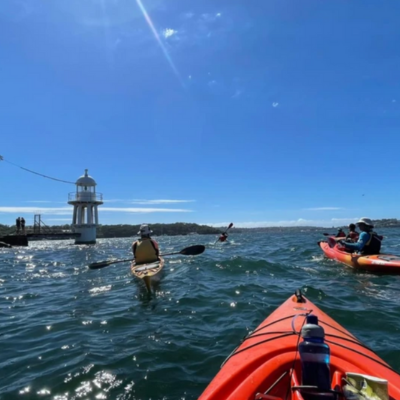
{"points": [[85, 201]]}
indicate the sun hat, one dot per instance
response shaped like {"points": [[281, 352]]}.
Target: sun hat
{"points": [[365, 221], [144, 230]]}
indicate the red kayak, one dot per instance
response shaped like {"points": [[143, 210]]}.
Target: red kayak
{"points": [[382, 263], [267, 365]]}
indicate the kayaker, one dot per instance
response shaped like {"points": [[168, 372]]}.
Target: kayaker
{"points": [[340, 233], [353, 234], [145, 249], [369, 242], [223, 237]]}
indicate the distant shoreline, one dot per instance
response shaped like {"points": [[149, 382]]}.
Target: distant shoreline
{"points": [[182, 228]]}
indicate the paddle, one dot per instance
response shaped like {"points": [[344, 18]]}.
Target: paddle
{"points": [[332, 242], [227, 229], [187, 251], [330, 234]]}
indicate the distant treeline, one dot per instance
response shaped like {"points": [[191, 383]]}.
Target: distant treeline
{"points": [[179, 228], [378, 223], [386, 223], [6, 230], [110, 231], [182, 228]]}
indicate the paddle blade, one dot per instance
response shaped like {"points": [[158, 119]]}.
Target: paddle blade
{"points": [[332, 242], [101, 264], [230, 225], [193, 250]]}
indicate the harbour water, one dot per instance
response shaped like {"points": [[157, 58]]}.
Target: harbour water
{"points": [[68, 332]]}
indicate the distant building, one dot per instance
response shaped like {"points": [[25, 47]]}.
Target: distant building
{"points": [[85, 201]]}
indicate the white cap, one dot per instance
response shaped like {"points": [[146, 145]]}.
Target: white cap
{"points": [[365, 221], [144, 230]]}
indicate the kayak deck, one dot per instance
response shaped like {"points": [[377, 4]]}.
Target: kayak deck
{"points": [[150, 273], [267, 366], [381, 263]]}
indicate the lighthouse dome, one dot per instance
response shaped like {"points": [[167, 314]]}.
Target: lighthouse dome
{"points": [[85, 180]]}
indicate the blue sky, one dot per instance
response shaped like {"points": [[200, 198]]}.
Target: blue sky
{"points": [[271, 112]]}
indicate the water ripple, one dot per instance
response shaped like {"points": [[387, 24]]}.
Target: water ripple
{"points": [[71, 333]]}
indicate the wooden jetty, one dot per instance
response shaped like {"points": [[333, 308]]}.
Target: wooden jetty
{"points": [[14, 240], [39, 231]]}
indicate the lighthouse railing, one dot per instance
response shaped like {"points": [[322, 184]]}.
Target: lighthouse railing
{"points": [[85, 196]]}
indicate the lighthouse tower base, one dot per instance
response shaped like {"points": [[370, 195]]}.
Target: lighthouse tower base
{"points": [[88, 234]]}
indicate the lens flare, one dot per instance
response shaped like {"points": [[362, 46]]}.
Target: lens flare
{"points": [[157, 37]]}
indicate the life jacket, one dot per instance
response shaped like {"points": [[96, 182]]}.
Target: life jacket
{"points": [[373, 246], [145, 251], [353, 235], [341, 234], [222, 238]]}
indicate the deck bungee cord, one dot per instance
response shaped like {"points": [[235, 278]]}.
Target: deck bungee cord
{"points": [[275, 348], [282, 334]]}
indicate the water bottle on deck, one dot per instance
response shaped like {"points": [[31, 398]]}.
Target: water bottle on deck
{"points": [[314, 355]]}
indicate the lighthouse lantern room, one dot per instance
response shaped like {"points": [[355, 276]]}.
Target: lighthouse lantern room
{"points": [[85, 201]]}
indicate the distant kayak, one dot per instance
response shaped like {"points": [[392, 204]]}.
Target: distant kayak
{"points": [[222, 238], [267, 365], [149, 273], [381, 263]]}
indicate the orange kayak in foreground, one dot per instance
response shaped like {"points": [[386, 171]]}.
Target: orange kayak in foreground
{"points": [[267, 365], [381, 263]]}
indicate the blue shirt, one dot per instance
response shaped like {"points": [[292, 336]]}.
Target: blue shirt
{"points": [[362, 241]]}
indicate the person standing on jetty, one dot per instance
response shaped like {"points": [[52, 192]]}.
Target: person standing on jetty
{"points": [[22, 225], [18, 224]]}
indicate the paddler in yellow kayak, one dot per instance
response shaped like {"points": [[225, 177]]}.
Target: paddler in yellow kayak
{"points": [[145, 250], [369, 243]]}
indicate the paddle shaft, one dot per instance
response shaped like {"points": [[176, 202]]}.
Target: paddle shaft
{"points": [[229, 227], [170, 254], [187, 251]]}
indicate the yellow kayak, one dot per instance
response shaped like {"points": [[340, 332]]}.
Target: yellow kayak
{"points": [[150, 273]]}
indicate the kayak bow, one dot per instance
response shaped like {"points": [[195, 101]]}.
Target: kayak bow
{"points": [[267, 365]]}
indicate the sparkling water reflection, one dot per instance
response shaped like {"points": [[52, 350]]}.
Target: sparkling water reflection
{"points": [[72, 333]]}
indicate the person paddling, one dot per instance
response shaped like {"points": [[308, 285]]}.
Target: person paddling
{"points": [[369, 243], [340, 233], [223, 237], [353, 234], [145, 250]]}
